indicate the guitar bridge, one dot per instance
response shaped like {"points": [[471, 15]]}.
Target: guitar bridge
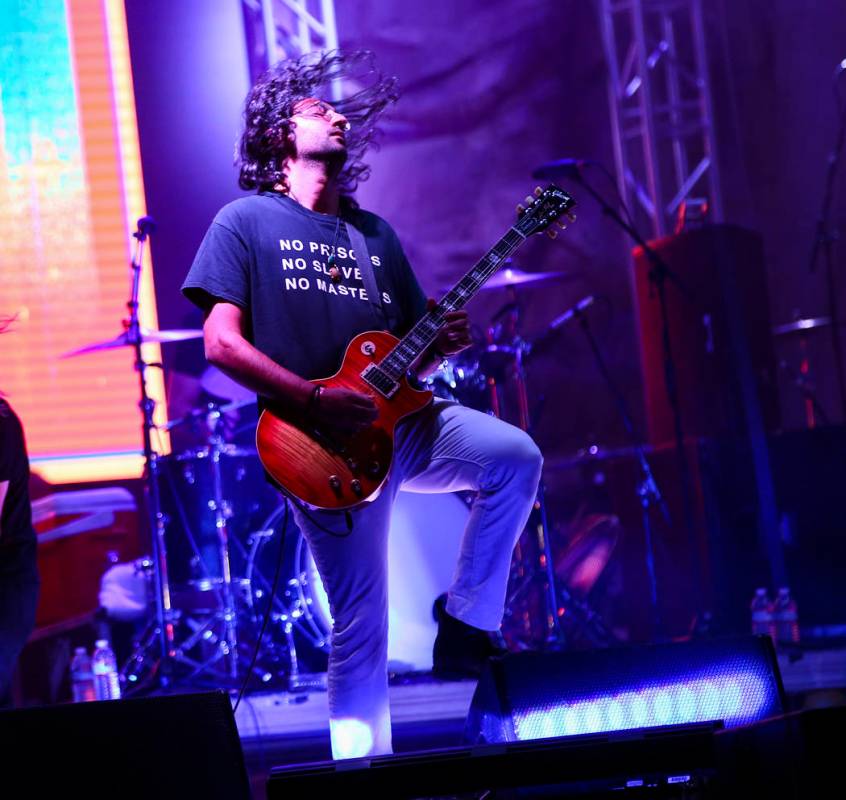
{"points": [[380, 380]]}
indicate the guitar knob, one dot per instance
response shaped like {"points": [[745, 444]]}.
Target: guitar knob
{"points": [[335, 483], [355, 485], [352, 464], [373, 468]]}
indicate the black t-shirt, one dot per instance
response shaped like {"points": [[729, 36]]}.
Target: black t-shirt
{"points": [[16, 522], [268, 255]]}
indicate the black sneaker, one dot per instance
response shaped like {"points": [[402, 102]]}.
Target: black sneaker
{"points": [[460, 651]]}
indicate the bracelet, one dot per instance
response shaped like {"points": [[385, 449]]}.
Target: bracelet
{"points": [[313, 399]]}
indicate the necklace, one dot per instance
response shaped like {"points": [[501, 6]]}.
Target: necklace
{"points": [[334, 272]]}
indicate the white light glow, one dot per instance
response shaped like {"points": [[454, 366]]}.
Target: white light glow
{"points": [[351, 738]]}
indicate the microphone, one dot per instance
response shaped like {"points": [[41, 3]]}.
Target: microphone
{"points": [[146, 226], [575, 311], [562, 168], [542, 342]]}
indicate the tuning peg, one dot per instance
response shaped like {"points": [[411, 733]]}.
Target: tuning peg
{"points": [[551, 233], [520, 210], [561, 225], [538, 191], [529, 199], [571, 216]]}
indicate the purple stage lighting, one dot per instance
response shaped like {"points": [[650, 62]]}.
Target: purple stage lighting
{"points": [[538, 696]]}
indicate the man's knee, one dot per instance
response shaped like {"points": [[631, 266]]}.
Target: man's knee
{"points": [[529, 453], [516, 458]]}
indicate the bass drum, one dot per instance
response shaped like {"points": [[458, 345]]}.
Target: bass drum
{"points": [[423, 547]]}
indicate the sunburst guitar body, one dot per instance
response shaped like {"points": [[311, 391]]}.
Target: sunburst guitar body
{"points": [[340, 473]]}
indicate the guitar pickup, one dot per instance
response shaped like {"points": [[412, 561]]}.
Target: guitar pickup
{"points": [[380, 380]]}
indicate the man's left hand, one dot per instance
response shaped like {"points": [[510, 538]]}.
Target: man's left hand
{"points": [[455, 335]]}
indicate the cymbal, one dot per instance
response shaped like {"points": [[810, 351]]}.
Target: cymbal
{"points": [[147, 335], [801, 325], [512, 276]]}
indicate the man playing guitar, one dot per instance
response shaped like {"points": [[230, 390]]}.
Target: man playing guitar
{"points": [[283, 295]]}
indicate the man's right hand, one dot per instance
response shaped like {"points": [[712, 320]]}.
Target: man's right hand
{"points": [[343, 411]]}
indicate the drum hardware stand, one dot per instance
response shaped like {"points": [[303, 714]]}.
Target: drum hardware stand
{"points": [[648, 492], [814, 412], [222, 513], [203, 628], [554, 632], [557, 595]]}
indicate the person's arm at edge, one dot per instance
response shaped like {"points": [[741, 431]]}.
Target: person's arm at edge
{"points": [[4, 488]]}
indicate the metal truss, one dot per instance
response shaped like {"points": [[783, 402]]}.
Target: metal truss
{"points": [[279, 29], [660, 100]]}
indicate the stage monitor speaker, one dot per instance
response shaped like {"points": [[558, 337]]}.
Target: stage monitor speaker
{"points": [[169, 748], [527, 696], [719, 327]]}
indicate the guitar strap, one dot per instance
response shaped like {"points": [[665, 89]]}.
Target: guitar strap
{"points": [[383, 315]]}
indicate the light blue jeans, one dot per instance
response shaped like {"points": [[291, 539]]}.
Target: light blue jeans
{"points": [[443, 448]]}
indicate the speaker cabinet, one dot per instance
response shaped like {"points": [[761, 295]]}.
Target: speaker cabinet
{"points": [[719, 329], [170, 748]]}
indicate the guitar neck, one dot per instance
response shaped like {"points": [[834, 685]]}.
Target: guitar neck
{"points": [[399, 360]]}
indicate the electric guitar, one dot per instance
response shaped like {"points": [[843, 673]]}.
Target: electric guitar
{"points": [[331, 472]]}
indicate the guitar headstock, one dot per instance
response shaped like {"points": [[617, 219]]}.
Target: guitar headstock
{"points": [[543, 209]]}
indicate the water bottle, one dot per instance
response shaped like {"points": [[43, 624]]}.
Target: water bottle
{"points": [[104, 667], [786, 618], [82, 677], [762, 614]]}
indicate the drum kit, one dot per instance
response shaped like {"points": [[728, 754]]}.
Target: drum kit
{"points": [[222, 536]]}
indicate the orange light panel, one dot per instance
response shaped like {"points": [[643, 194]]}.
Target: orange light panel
{"points": [[70, 193]]}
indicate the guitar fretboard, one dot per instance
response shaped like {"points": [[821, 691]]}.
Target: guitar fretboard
{"points": [[399, 360]]}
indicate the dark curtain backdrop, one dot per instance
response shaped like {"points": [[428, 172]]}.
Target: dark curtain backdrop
{"points": [[489, 91], [775, 105]]}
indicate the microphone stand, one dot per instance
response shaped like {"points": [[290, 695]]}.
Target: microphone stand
{"points": [[824, 240], [164, 611], [658, 276], [648, 491]]}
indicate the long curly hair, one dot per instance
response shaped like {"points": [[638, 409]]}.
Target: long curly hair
{"points": [[263, 147]]}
